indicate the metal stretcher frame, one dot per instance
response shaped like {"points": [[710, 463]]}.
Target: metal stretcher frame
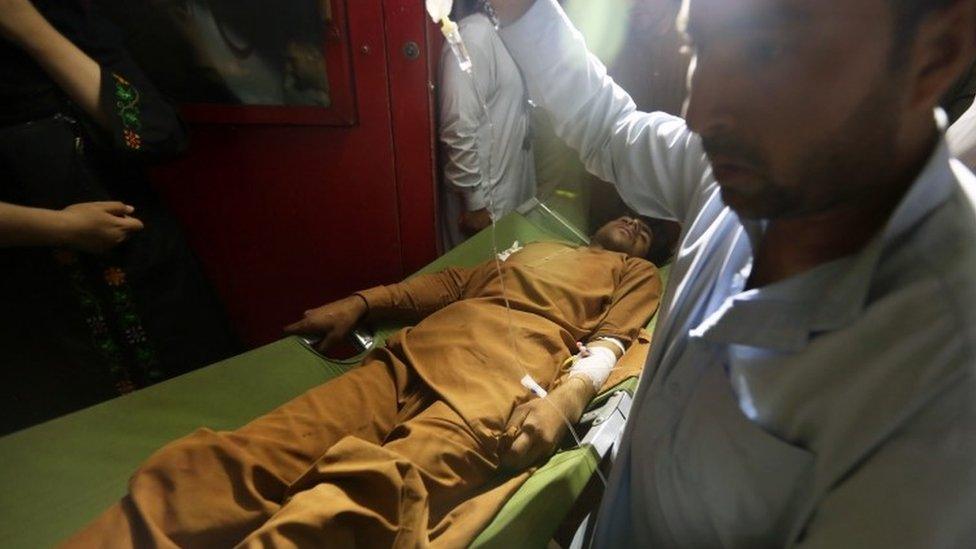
{"points": [[57, 476]]}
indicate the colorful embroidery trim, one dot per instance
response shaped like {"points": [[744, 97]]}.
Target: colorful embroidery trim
{"points": [[127, 106], [130, 324], [133, 344], [91, 309], [132, 139]]}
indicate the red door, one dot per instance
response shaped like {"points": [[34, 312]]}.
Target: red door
{"points": [[289, 207]]}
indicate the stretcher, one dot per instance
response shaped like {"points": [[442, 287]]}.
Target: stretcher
{"points": [[57, 476]]}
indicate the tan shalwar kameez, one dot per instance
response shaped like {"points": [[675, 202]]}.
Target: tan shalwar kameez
{"points": [[391, 453]]}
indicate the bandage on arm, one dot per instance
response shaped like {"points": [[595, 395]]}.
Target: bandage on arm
{"points": [[611, 342], [595, 367]]}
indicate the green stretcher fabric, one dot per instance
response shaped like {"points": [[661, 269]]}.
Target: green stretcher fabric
{"points": [[533, 514], [58, 476]]}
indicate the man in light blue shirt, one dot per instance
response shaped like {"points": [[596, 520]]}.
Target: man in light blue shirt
{"points": [[811, 381]]}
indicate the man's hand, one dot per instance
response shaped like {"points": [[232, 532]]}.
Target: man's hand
{"points": [[332, 321], [537, 426], [97, 227], [472, 222], [508, 11]]}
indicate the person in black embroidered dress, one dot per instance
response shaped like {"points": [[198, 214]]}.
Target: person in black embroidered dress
{"points": [[100, 294]]}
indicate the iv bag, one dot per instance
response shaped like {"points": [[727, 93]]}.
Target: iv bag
{"points": [[439, 9]]}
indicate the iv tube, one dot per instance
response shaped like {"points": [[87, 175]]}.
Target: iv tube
{"points": [[439, 11], [527, 380], [450, 30]]}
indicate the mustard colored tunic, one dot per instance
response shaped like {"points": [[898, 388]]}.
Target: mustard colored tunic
{"points": [[473, 351]]}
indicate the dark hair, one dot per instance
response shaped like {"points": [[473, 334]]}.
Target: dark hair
{"points": [[664, 240], [908, 15]]}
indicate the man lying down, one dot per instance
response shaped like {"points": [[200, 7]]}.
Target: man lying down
{"points": [[389, 453]]}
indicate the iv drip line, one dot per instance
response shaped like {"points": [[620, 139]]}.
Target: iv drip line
{"points": [[439, 11], [501, 273]]}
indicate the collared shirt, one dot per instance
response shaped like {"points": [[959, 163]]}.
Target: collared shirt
{"points": [[962, 137], [835, 408]]}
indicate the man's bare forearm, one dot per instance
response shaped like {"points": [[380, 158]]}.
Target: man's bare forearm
{"points": [[573, 396], [509, 11]]}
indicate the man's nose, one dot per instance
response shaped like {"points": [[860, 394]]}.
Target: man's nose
{"points": [[634, 224], [708, 108]]}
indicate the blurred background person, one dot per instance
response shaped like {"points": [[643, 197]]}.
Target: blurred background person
{"points": [[488, 168]]}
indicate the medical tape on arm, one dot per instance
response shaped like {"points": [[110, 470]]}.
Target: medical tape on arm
{"points": [[595, 367], [615, 342]]}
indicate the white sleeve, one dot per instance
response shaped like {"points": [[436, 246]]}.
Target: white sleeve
{"points": [[463, 129], [962, 138], [657, 164]]}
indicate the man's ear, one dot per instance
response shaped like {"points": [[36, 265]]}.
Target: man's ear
{"points": [[944, 48]]}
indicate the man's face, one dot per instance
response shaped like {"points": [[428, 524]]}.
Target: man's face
{"points": [[626, 235], [796, 101]]}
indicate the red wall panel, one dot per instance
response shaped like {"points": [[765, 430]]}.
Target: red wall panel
{"points": [[285, 218], [412, 101]]}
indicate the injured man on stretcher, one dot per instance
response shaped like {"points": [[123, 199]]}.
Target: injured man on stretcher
{"points": [[420, 444]]}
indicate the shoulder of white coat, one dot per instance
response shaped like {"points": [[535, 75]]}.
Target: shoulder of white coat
{"points": [[476, 27]]}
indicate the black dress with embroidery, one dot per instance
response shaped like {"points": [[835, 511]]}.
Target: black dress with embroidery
{"points": [[76, 329]]}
